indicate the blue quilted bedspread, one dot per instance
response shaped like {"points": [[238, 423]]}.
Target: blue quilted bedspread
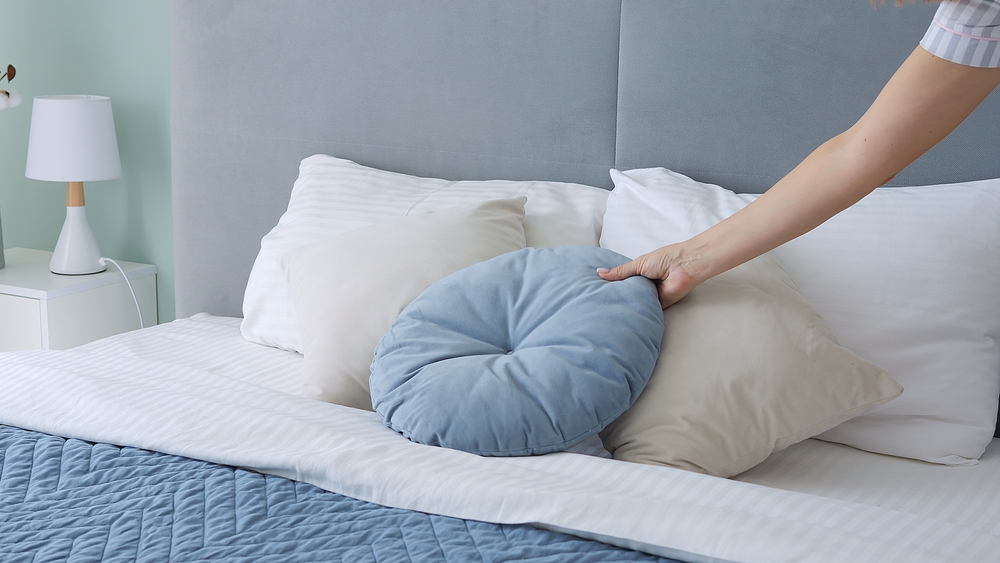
{"points": [[74, 501]]}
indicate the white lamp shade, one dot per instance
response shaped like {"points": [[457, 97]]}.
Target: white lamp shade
{"points": [[72, 139]]}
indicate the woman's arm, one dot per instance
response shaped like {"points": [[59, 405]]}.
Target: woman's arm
{"points": [[924, 100]]}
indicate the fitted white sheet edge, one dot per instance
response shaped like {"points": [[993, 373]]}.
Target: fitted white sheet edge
{"points": [[195, 413]]}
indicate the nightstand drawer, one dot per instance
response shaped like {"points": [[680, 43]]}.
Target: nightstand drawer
{"points": [[83, 317], [40, 310], [20, 323]]}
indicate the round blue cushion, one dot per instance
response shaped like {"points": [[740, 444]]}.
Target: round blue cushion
{"points": [[528, 353]]}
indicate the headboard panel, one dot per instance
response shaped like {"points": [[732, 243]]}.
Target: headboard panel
{"points": [[738, 93], [517, 89], [729, 92]]}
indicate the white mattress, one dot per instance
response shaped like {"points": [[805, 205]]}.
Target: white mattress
{"points": [[885, 508]]}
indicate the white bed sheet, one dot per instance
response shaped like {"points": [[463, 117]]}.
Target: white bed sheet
{"points": [[968, 495], [208, 343], [216, 344], [886, 509]]}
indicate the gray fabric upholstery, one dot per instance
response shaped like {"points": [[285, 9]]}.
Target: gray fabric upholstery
{"points": [[737, 94], [514, 89], [725, 91]]}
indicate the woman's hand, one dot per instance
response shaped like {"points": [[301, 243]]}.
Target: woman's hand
{"points": [[667, 267]]}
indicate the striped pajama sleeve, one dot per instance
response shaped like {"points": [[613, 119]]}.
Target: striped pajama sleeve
{"points": [[966, 32]]}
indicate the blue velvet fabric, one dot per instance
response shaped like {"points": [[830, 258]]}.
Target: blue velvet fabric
{"points": [[528, 353]]}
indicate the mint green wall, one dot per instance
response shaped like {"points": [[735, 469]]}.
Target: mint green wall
{"points": [[116, 48]]}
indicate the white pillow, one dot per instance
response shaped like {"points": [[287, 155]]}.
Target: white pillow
{"points": [[907, 279], [333, 196], [348, 290]]}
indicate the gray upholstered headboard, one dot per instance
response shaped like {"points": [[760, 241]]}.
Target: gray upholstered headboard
{"points": [[726, 91]]}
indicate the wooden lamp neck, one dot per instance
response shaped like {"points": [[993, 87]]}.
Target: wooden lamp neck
{"points": [[74, 194]]}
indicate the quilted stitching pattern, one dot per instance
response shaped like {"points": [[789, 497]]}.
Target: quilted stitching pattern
{"points": [[64, 500]]}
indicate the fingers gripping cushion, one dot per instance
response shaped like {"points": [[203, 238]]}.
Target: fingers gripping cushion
{"points": [[527, 353]]}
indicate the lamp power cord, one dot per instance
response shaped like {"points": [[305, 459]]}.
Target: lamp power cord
{"points": [[104, 262]]}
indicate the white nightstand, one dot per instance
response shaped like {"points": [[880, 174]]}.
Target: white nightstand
{"points": [[40, 310]]}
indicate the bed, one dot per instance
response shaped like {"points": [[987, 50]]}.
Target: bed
{"points": [[188, 441]]}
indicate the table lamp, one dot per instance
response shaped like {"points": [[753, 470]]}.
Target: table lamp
{"points": [[72, 139]]}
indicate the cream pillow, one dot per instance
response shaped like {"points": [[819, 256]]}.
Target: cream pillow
{"points": [[746, 368], [348, 290]]}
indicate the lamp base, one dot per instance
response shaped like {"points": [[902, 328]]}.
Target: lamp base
{"points": [[77, 252]]}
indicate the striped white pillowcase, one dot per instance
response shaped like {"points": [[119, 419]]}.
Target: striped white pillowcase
{"points": [[333, 196]]}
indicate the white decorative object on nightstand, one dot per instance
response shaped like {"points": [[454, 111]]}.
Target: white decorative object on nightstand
{"points": [[40, 310]]}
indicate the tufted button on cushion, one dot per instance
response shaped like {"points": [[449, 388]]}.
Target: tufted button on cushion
{"points": [[527, 353]]}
